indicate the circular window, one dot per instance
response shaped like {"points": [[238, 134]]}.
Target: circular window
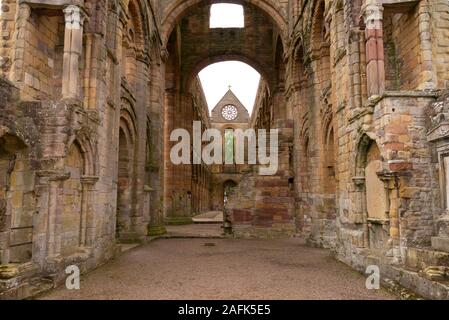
{"points": [[229, 112]]}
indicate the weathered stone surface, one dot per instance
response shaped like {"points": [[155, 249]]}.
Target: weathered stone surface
{"points": [[90, 93]]}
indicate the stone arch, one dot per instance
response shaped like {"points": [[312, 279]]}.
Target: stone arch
{"points": [[125, 174], [228, 186], [208, 60], [299, 70], [304, 153], [71, 218], [17, 200], [128, 116], [319, 36], [280, 111], [135, 42], [279, 63], [178, 8], [329, 158], [364, 142], [90, 157], [320, 44], [137, 27], [373, 191]]}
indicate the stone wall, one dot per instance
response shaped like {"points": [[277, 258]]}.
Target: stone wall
{"points": [[94, 89]]}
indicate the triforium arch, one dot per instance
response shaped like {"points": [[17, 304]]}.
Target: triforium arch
{"points": [[364, 67]]}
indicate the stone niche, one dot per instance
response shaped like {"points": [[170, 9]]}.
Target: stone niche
{"points": [[376, 201], [438, 135]]}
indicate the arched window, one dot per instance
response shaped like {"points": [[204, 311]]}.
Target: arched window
{"points": [[229, 146], [71, 218]]}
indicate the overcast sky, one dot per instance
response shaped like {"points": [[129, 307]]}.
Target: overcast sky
{"points": [[242, 78], [217, 78]]}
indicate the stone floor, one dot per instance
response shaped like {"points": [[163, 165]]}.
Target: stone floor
{"points": [[222, 269]]}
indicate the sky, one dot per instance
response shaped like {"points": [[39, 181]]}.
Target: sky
{"points": [[216, 78], [242, 78], [226, 15]]}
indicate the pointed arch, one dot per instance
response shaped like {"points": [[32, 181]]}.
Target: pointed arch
{"points": [[177, 9]]}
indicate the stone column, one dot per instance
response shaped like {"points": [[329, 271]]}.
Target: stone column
{"points": [[17, 73], [54, 209], [375, 61], [87, 228], [392, 195], [360, 215], [156, 224], [73, 47]]}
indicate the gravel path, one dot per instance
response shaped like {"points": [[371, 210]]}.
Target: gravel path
{"points": [[231, 269]]}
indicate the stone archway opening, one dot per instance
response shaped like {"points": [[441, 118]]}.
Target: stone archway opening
{"points": [[228, 188], [125, 186], [193, 46]]}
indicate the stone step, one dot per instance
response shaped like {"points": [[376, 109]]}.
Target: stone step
{"points": [[422, 258], [209, 217]]}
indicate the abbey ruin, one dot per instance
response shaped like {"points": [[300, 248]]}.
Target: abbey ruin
{"points": [[90, 91]]}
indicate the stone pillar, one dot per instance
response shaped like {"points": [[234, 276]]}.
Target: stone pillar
{"points": [[140, 84], [392, 194], [56, 181], [428, 77], [73, 47], [87, 229], [17, 68], [375, 61], [360, 216], [156, 224]]}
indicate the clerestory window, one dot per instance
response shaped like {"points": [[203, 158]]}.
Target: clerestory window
{"points": [[225, 15]]}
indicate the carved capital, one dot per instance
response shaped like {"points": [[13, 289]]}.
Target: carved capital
{"points": [[373, 15], [74, 17]]}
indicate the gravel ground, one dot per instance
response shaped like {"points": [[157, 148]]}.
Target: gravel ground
{"points": [[230, 269]]}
